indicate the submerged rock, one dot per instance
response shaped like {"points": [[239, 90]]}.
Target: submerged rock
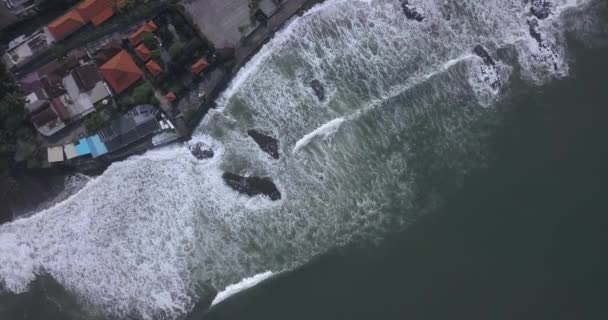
{"points": [[533, 29], [540, 8], [489, 73], [317, 87], [252, 186], [411, 12], [201, 151], [483, 54], [268, 144]]}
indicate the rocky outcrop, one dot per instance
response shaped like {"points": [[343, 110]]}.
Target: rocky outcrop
{"points": [[317, 87], [201, 151], [252, 186], [411, 12], [268, 144], [541, 9], [489, 73], [483, 54], [533, 29], [546, 53]]}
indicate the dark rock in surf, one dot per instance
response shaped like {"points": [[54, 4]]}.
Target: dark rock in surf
{"points": [[201, 151], [489, 73], [533, 29], [483, 54], [540, 8], [317, 87], [268, 144], [252, 186], [411, 12]]}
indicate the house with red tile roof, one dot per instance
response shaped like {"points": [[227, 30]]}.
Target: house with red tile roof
{"points": [[154, 68], [95, 11], [65, 25], [199, 66], [143, 52], [136, 37], [121, 72]]}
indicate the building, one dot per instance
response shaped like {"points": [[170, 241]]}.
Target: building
{"points": [[143, 52], [65, 25], [20, 9], [121, 72], [140, 122], [21, 49], [154, 68], [199, 66], [107, 51], [94, 11], [62, 92], [137, 37], [25, 47]]}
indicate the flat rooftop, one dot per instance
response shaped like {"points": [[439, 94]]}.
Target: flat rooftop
{"points": [[219, 20]]}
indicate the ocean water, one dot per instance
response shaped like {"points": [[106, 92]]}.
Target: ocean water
{"points": [[407, 119]]}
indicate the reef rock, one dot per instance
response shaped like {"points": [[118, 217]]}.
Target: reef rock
{"points": [[533, 29], [489, 73], [540, 8], [317, 87], [268, 144], [201, 151], [252, 186], [411, 12]]}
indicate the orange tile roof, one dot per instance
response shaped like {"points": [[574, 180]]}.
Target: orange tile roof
{"points": [[66, 24], [103, 16], [143, 52], [89, 9], [199, 66], [121, 71], [170, 97], [136, 37], [154, 68]]}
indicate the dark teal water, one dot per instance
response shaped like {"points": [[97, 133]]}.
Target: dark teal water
{"points": [[525, 238]]}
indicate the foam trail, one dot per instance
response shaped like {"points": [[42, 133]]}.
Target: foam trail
{"points": [[140, 240], [325, 131], [240, 286]]}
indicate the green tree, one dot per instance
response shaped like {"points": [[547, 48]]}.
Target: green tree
{"points": [[94, 122], [143, 94], [176, 49], [58, 51], [149, 40], [130, 4], [12, 117], [155, 55]]}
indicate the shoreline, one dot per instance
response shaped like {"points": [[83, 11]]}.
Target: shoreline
{"points": [[244, 52]]}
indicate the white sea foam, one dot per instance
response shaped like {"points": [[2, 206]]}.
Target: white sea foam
{"points": [[139, 239], [324, 131], [242, 285]]}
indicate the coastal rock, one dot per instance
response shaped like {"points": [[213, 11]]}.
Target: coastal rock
{"points": [[201, 151], [317, 87], [411, 12], [533, 29], [483, 54], [546, 52], [489, 73], [268, 144], [540, 8], [252, 186]]}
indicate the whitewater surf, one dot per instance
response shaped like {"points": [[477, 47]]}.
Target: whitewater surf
{"points": [[406, 112]]}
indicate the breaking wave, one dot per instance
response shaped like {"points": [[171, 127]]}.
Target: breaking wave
{"points": [[407, 103], [242, 285]]}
